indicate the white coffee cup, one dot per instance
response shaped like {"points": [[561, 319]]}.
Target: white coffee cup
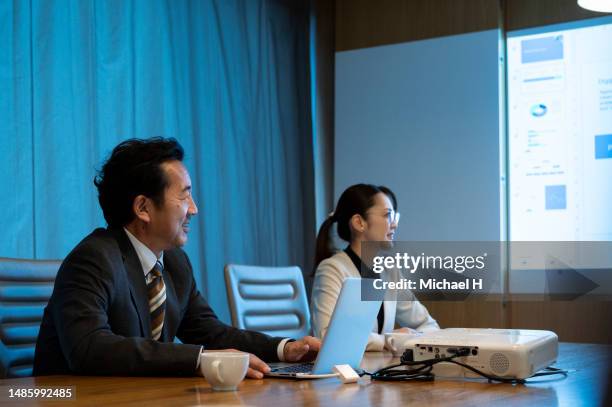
{"points": [[224, 370], [398, 342]]}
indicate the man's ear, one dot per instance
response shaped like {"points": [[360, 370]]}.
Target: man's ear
{"points": [[358, 223], [141, 207]]}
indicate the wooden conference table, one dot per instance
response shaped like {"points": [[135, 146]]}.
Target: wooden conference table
{"points": [[585, 386]]}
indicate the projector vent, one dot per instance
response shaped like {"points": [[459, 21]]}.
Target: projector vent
{"points": [[499, 363]]}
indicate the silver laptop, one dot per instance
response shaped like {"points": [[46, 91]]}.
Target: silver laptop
{"points": [[345, 340]]}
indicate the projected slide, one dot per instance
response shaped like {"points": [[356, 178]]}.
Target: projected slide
{"points": [[560, 133]]}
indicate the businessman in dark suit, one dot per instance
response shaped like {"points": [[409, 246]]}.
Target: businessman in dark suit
{"points": [[124, 293]]}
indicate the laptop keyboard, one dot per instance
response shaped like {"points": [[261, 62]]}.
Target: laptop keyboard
{"points": [[298, 368]]}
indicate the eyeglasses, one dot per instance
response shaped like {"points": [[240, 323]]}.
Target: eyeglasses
{"points": [[392, 217]]}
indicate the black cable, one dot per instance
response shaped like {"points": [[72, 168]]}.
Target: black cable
{"points": [[548, 372], [389, 373], [423, 370]]}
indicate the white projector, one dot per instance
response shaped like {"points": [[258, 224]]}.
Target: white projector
{"points": [[508, 353]]}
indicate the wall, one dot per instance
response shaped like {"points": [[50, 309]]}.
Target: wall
{"points": [[361, 24]]}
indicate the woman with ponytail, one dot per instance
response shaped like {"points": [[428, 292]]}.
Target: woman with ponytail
{"points": [[364, 213]]}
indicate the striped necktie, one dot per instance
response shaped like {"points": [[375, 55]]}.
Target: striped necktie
{"points": [[157, 299]]}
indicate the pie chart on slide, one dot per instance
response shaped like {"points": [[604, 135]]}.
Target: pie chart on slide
{"points": [[538, 110]]}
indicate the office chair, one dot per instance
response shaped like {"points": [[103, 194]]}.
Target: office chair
{"points": [[271, 300], [25, 288]]}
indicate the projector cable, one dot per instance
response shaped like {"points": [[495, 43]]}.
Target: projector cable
{"points": [[422, 370]]}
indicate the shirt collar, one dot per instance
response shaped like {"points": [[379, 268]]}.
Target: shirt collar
{"points": [[145, 255]]}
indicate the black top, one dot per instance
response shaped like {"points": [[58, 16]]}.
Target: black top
{"points": [[366, 273]]}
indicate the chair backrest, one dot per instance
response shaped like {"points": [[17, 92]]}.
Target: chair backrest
{"points": [[25, 288], [271, 300]]}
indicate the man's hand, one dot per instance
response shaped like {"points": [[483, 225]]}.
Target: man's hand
{"points": [[257, 367], [302, 350]]}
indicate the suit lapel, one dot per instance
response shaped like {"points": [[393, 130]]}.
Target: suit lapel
{"points": [[138, 287]]}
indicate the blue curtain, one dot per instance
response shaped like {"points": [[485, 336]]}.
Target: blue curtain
{"points": [[228, 79]]}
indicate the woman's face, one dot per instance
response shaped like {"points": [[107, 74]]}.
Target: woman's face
{"points": [[379, 222]]}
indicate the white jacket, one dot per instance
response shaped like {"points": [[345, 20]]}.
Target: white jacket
{"points": [[328, 280]]}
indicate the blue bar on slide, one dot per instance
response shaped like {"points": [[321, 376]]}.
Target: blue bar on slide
{"points": [[603, 146], [542, 49]]}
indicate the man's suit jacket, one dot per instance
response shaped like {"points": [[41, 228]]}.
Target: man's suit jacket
{"points": [[97, 321]]}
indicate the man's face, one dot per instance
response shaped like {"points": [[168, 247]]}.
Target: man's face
{"points": [[170, 222]]}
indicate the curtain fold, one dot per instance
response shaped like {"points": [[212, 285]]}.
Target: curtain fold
{"points": [[228, 79], [17, 211]]}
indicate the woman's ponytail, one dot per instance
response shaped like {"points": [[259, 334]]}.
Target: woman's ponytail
{"points": [[324, 247], [356, 199]]}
